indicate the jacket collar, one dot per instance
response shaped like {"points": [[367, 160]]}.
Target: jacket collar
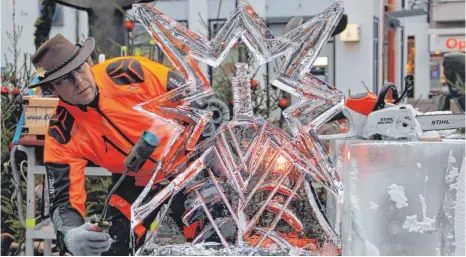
{"points": [[94, 104]]}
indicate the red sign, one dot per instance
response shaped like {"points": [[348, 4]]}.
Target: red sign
{"points": [[455, 44]]}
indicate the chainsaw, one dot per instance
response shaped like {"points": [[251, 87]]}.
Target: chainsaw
{"points": [[371, 117]]}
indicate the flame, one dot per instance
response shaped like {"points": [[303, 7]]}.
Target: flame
{"points": [[281, 163]]}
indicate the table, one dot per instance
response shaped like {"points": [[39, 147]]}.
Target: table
{"points": [[47, 232], [399, 197]]}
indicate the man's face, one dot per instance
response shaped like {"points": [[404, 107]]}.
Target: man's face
{"points": [[76, 87]]}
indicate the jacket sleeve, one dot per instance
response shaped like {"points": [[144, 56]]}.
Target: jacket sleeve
{"points": [[65, 176]]}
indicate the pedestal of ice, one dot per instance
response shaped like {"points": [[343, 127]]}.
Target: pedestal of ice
{"points": [[402, 198]]}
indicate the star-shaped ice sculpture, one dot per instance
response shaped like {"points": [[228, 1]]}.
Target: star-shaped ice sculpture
{"points": [[233, 157]]}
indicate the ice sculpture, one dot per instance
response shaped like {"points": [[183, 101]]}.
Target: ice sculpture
{"points": [[251, 160], [262, 177]]}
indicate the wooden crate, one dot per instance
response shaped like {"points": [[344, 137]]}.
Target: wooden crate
{"points": [[37, 114]]}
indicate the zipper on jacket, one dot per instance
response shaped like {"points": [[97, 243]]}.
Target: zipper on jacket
{"points": [[121, 133], [113, 145]]}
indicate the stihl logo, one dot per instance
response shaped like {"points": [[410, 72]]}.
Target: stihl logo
{"points": [[174, 81], [440, 122], [385, 121], [51, 178]]}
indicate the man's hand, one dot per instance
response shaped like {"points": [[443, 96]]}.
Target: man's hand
{"points": [[85, 240]]}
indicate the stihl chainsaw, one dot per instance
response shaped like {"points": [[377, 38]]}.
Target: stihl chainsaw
{"points": [[371, 117]]}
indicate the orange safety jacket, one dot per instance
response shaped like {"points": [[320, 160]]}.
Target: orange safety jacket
{"points": [[105, 132]]}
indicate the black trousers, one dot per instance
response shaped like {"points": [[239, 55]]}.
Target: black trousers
{"points": [[121, 225]]}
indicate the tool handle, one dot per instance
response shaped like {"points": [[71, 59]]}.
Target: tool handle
{"points": [[138, 156], [409, 85], [99, 225], [95, 228], [141, 151], [380, 104], [114, 188]]}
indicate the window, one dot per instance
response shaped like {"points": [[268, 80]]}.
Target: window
{"points": [[411, 64], [323, 66]]}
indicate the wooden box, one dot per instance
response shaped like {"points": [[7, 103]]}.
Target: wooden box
{"points": [[37, 114]]}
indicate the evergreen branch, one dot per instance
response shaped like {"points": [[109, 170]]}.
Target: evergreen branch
{"points": [[43, 23]]}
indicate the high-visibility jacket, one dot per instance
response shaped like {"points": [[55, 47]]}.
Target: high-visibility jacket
{"points": [[105, 131]]}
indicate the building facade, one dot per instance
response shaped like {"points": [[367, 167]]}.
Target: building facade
{"points": [[446, 34], [346, 64], [425, 34], [72, 23]]}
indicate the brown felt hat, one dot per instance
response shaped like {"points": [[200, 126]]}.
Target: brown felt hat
{"points": [[58, 57]]}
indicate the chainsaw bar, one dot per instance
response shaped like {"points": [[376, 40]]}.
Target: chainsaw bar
{"points": [[441, 121]]}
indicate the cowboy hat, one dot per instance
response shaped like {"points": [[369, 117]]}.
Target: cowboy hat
{"points": [[58, 57]]}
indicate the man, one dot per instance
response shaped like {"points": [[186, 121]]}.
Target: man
{"points": [[454, 71], [95, 122]]}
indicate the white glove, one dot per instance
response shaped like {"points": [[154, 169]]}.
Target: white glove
{"points": [[84, 240]]}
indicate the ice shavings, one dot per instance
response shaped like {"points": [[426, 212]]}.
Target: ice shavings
{"points": [[373, 206], [354, 199], [431, 133], [451, 134], [397, 195], [216, 249], [450, 204], [341, 191], [452, 172], [412, 224], [451, 158]]}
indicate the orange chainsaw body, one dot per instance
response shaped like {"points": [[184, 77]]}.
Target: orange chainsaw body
{"points": [[362, 103]]}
